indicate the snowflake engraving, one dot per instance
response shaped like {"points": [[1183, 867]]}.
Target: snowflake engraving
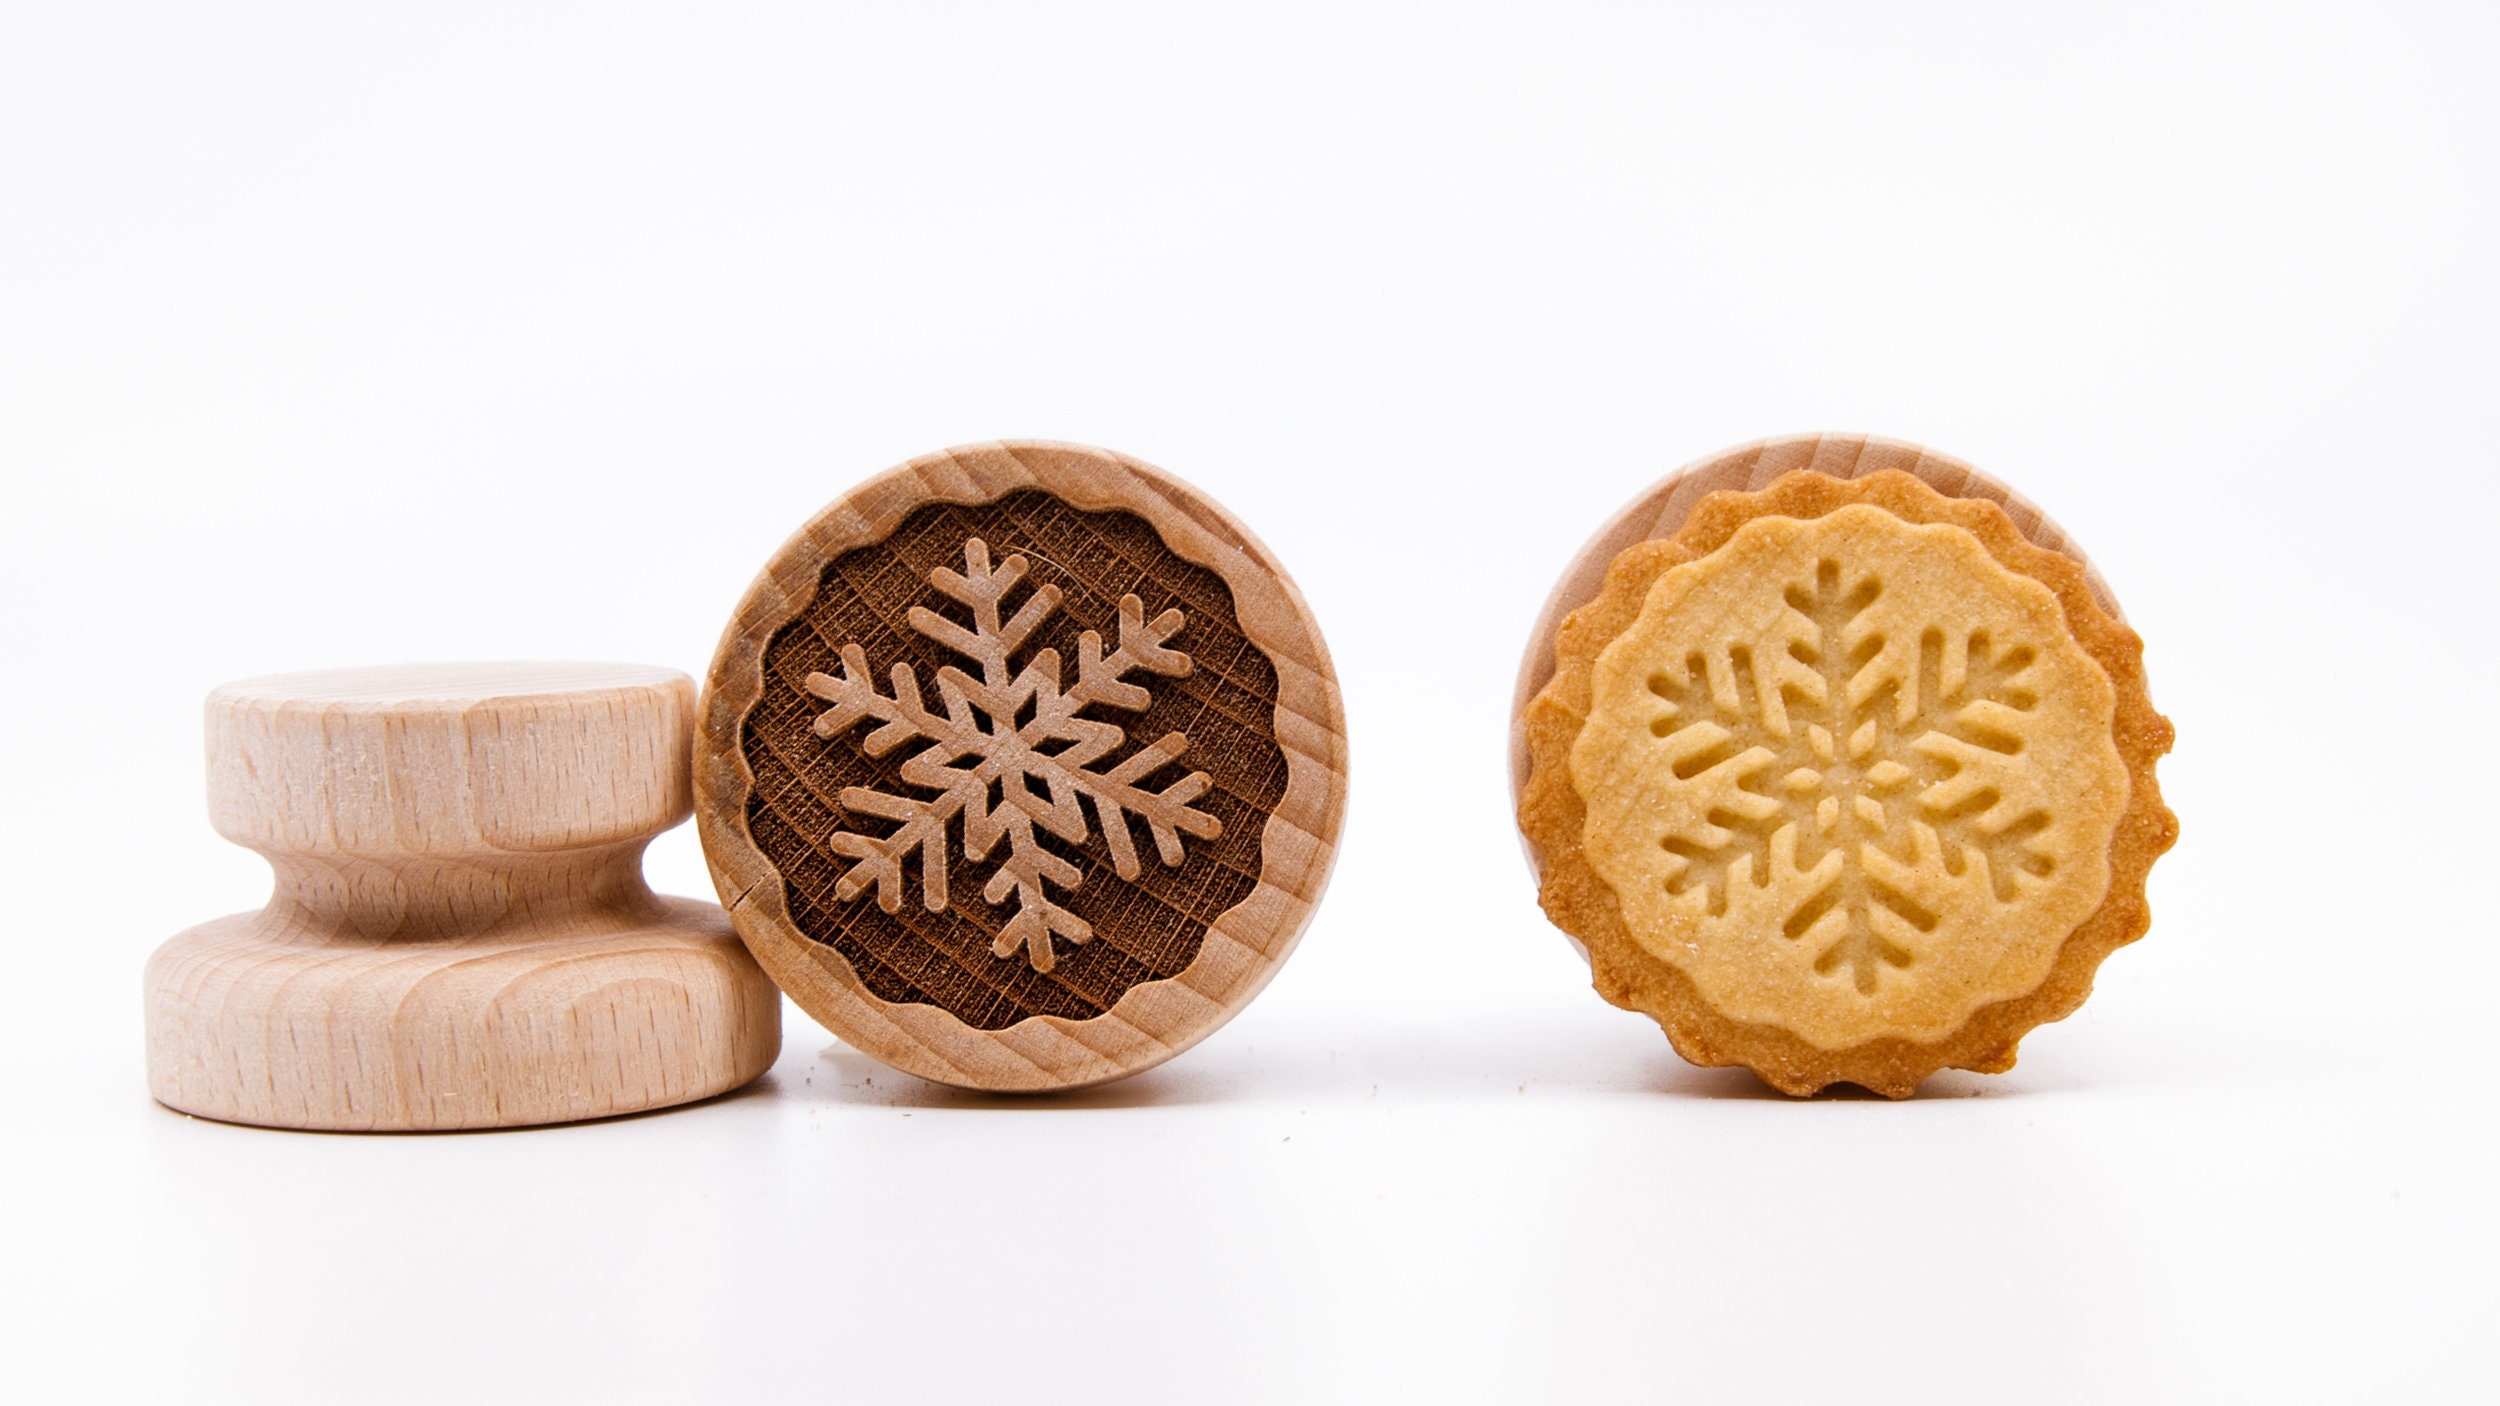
{"points": [[1857, 776], [984, 763]]}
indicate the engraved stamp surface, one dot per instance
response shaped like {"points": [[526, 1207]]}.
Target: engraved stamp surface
{"points": [[1851, 775], [918, 714]]}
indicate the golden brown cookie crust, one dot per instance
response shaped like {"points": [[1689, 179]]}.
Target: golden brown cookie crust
{"points": [[1553, 815]]}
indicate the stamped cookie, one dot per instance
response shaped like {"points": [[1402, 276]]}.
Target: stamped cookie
{"points": [[1844, 778], [1022, 766]]}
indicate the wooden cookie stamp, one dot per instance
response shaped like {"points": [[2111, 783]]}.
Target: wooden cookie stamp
{"points": [[460, 935], [1022, 766], [1836, 758]]}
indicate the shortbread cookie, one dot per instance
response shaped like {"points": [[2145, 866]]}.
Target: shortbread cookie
{"points": [[1846, 781]]}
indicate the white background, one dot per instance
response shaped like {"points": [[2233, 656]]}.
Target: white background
{"points": [[331, 336]]}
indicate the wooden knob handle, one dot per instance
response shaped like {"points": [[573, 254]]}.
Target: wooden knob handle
{"points": [[459, 934], [432, 800], [450, 760]]}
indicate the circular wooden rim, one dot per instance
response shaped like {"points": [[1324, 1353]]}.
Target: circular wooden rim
{"points": [[1660, 510], [1155, 1020]]}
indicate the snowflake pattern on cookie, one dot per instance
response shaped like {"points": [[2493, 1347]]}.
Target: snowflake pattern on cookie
{"points": [[1854, 777], [1850, 775]]}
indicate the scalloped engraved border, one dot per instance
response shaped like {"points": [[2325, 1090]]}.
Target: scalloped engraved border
{"points": [[1154, 1020]]}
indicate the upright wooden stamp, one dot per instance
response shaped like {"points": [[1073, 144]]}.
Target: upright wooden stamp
{"points": [[1022, 766], [460, 935]]}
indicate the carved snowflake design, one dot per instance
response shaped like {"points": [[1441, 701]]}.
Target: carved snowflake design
{"points": [[1852, 783], [983, 763]]}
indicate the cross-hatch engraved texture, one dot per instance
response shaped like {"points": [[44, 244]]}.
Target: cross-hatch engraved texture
{"points": [[1851, 775], [919, 712], [1013, 728]]}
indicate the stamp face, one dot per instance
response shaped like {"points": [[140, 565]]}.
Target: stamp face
{"points": [[1851, 775], [1021, 766], [1014, 759]]}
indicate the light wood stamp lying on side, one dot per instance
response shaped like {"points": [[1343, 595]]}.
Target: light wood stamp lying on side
{"points": [[460, 935], [1022, 766]]}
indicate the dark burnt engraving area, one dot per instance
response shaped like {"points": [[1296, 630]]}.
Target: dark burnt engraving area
{"points": [[1143, 929]]}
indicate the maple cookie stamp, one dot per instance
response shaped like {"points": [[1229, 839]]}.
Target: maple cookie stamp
{"points": [[459, 935], [1021, 766], [1836, 758]]}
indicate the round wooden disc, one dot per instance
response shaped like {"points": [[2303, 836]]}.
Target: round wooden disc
{"points": [[1021, 766], [515, 757], [1660, 510]]}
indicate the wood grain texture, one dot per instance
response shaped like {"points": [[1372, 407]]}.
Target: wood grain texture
{"points": [[459, 935], [1660, 510], [1217, 697], [1166, 958]]}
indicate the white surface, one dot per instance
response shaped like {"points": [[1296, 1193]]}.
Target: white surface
{"points": [[329, 338]]}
